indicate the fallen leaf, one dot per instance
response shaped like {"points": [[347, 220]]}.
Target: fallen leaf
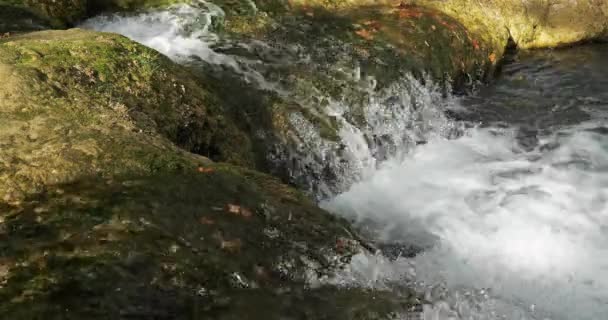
{"points": [[204, 170], [238, 210], [233, 246], [206, 221], [492, 57], [475, 44], [409, 12], [448, 25], [233, 208], [365, 34], [374, 24]]}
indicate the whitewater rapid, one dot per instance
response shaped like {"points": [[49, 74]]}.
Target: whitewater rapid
{"points": [[505, 232], [530, 227]]}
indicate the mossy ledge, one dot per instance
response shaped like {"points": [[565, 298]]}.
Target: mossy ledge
{"points": [[103, 216]]}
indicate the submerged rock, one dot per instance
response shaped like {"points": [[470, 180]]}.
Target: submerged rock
{"points": [[102, 216]]}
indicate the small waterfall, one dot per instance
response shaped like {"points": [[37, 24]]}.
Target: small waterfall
{"points": [[498, 231], [377, 125]]}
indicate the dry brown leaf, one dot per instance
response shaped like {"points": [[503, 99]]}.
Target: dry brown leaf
{"points": [[410, 13], [492, 57], [238, 210], [233, 246], [206, 221], [374, 24], [233, 208], [204, 170], [475, 44], [365, 34]]}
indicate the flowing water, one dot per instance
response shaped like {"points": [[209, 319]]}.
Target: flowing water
{"points": [[507, 219], [395, 117], [513, 215]]}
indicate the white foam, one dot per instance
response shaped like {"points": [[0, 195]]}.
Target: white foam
{"points": [[532, 226]]}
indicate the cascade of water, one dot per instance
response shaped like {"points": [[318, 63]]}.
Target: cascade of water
{"points": [[390, 121], [507, 233]]}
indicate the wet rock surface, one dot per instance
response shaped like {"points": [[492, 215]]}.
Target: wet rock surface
{"points": [[102, 216], [111, 204]]}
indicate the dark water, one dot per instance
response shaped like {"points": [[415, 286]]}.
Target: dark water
{"points": [[543, 89]]}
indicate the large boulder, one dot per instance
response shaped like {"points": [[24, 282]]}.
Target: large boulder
{"points": [[113, 82], [532, 23], [103, 216]]}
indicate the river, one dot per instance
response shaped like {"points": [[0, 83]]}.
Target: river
{"points": [[508, 218]]}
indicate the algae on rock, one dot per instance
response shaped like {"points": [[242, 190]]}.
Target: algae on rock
{"points": [[63, 79], [102, 216]]}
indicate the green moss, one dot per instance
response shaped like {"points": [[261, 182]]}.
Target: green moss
{"points": [[122, 244], [102, 216], [115, 79]]}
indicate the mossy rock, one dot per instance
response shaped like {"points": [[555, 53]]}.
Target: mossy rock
{"points": [[531, 23], [172, 245], [56, 81], [103, 216]]}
